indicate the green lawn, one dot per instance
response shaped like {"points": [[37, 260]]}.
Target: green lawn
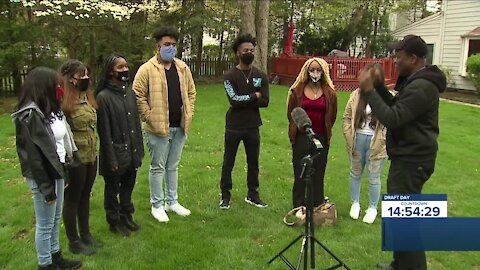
{"points": [[244, 237]]}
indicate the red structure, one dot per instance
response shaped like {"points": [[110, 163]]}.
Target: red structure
{"points": [[343, 71], [288, 48]]}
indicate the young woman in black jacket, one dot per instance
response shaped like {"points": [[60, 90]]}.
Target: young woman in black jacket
{"points": [[44, 145], [121, 143]]}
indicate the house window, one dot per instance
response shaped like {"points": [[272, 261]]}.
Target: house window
{"points": [[429, 57], [471, 46]]}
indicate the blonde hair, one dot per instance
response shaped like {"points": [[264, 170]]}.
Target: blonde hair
{"points": [[303, 75]]}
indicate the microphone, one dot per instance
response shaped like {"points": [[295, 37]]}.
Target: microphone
{"points": [[301, 119]]}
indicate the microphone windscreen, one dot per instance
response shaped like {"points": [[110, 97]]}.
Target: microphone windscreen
{"points": [[300, 118]]}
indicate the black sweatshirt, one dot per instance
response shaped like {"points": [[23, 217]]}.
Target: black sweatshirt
{"points": [[411, 117], [244, 105]]}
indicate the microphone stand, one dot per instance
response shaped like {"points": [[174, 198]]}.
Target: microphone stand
{"points": [[308, 234]]}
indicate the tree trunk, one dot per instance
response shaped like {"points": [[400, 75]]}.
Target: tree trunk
{"points": [[247, 17], [261, 24], [33, 52], [180, 43], [93, 56], [201, 9]]}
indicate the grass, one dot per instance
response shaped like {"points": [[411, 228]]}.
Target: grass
{"points": [[244, 237]]}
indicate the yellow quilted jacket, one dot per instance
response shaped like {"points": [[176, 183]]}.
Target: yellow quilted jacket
{"points": [[150, 87]]}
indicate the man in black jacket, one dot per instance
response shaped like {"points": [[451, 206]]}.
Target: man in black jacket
{"points": [[411, 118]]}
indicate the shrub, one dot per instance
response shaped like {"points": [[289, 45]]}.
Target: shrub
{"points": [[473, 68], [450, 77]]}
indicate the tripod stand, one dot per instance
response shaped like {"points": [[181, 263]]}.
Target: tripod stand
{"points": [[308, 236]]}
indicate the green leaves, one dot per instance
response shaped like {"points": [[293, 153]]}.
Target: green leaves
{"points": [[473, 68]]}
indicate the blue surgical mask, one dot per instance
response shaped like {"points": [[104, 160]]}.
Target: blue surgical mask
{"points": [[168, 53]]}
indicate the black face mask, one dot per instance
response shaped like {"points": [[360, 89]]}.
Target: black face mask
{"points": [[123, 76], [247, 58], [83, 84]]}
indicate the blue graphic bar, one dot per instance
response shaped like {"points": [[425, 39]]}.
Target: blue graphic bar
{"points": [[414, 197], [439, 234]]}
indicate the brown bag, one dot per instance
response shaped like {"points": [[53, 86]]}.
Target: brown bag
{"points": [[325, 214]]}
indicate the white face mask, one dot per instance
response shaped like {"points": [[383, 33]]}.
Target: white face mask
{"points": [[315, 76]]}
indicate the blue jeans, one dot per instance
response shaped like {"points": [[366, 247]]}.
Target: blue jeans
{"points": [[358, 161], [165, 154], [47, 218]]}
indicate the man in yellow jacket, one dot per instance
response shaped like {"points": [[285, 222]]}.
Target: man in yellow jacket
{"points": [[165, 93]]}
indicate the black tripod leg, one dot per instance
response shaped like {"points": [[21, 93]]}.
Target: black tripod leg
{"points": [[312, 251], [331, 254], [287, 247]]}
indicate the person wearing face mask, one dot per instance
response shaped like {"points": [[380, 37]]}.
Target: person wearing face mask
{"points": [[247, 91], [121, 143], [79, 107], [44, 145], [313, 91], [165, 93]]}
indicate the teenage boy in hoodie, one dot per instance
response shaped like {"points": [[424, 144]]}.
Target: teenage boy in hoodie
{"points": [[411, 119], [165, 93]]}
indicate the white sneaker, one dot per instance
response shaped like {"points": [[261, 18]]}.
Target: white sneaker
{"points": [[355, 211], [370, 215], [159, 214], [179, 209]]}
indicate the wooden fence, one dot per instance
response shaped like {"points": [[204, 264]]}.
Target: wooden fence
{"points": [[7, 85], [343, 71], [213, 67]]}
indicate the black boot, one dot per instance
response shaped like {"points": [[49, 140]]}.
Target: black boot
{"points": [[88, 240], [129, 223], [120, 229], [48, 267], [63, 263], [77, 247]]}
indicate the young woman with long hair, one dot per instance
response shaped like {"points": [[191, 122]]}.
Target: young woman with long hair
{"points": [[79, 108], [44, 145], [314, 92], [121, 142], [365, 140]]}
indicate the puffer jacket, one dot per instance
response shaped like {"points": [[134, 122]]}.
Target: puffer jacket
{"points": [[150, 87], [119, 130]]}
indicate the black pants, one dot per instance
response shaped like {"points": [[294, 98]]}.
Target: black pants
{"points": [[300, 149], [405, 177], [251, 142], [76, 206], [118, 195]]}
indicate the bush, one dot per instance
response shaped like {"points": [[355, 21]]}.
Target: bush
{"points": [[450, 77], [473, 68]]}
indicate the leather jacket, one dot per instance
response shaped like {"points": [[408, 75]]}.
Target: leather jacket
{"points": [[36, 149]]}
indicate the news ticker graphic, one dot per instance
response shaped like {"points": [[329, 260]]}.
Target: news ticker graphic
{"points": [[419, 222]]}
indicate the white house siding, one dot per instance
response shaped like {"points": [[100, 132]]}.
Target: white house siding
{"points": [[461, 16], [457, 18], [429, 29]]}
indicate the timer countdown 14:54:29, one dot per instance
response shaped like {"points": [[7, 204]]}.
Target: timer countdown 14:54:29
{"points": [[414, 211]]}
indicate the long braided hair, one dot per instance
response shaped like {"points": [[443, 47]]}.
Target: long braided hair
{"points": [[106, 71]]}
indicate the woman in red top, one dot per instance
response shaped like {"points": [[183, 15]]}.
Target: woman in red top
{"points": [[314, 92]]}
